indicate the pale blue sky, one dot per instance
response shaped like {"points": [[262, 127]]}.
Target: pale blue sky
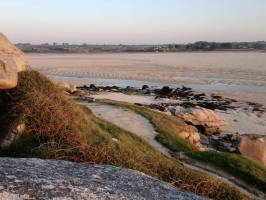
{"points": [[133, 21]]}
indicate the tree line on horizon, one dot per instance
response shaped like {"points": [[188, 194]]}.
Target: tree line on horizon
{"points": [[87, 48]]}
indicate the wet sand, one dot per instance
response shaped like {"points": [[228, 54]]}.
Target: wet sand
{"points": [[242, 74], [238, 75]]}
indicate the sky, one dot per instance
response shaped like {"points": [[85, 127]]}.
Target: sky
{"points": [[132, 21]]}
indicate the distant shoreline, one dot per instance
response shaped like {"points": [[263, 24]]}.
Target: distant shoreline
{"points": [[163, 48], [132, 52]]}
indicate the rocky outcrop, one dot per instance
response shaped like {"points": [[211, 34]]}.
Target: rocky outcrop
{"points": [[203, 118], [47, 179], [192, 135], [12, 61], [253, 147]]}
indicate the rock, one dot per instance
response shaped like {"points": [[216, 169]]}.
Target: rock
{"points": [[253, 147], [180, 156], [90, 99], [225, 142], [47, 179], [145, 87], [203, 118], [161, 107], [166, 90], [12, 61], [70, 88], [192, 135], [204, 140], [12, 135]]}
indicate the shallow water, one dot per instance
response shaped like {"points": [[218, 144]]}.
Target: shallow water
{"points": [[229, 72]]}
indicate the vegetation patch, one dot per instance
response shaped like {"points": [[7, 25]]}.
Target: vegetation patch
{"points": [[250, 172], [58, 128], [168, 126]]}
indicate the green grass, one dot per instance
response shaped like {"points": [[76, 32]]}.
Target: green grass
{"points": [[168, 127], [57, 128], [250, 172]]}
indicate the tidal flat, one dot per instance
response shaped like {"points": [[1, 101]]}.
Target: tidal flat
{"points": [[238, 75]]}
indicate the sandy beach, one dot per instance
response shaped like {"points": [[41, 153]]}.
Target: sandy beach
{"points": [[236, 73]]}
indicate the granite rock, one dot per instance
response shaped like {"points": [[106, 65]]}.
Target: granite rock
{"points": [[12, 61], [50, 179]]}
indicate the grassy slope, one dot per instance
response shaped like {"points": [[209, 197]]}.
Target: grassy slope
{"points": [[57, 128], [168, 126], [240, 167]]}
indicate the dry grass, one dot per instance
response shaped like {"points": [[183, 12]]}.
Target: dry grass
{"points": [[57, 128]]}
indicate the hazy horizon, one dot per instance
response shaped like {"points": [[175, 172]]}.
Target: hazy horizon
{"points": [[133, 22], [128, 44]]}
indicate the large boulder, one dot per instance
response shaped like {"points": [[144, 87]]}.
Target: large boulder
{"points": [[203, 118], [12, 61], [47, 179], [253, 147], [192, 135]]}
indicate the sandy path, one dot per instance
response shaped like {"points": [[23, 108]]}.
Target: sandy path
{"points": [[129, 121]]}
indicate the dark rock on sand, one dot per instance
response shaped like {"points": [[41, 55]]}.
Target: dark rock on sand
{"points": [[225, 142], [188, 98], [145, 87], [47, 179]]}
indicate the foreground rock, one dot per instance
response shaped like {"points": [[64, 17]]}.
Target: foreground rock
{"points": [[46, 179], [202, 118], [12, 61], [253, 147]]}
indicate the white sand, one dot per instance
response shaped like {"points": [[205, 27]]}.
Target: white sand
{"points": [[125, 98], [131, 98], [243, 122]]}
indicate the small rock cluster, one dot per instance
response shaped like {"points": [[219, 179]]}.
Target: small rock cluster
{"points": [[187, 97], [202, 118], [225, 142]]}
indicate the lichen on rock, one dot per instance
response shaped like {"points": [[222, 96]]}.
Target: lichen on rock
{"points": [[51, 179]]}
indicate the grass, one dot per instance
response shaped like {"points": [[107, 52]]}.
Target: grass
{"points": [[167, 127], [250, 172], [240, 167], [57, 128]]}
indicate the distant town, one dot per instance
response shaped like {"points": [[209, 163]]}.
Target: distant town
{"points": [[89, 48]]}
